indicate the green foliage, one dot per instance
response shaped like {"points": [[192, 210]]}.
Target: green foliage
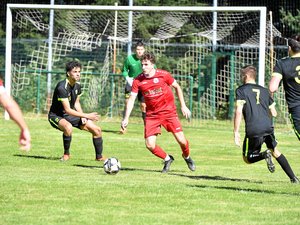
{"points": [[291, 21]]}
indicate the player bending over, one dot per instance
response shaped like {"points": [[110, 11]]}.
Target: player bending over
{"points": [[66, 112]]}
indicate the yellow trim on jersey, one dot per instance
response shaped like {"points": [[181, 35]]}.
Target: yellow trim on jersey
{"points": [[294, 128], [277, 75], [62, 99], [246, 147], [52, 122], [240, 102], [67, 82]]}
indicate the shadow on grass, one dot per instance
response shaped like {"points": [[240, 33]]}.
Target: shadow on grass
{"points": [[216, 178], [88, 167], [244, 190], [122, 169], [37, 157], [111, 131]]}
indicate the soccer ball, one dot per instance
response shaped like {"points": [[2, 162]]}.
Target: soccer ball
{"points": [[112, 165]]}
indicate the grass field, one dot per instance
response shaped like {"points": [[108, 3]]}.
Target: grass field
{"points": [[36, 188]]}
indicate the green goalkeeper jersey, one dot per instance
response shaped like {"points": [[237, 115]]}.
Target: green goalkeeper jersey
{"points": [[132, 66]]}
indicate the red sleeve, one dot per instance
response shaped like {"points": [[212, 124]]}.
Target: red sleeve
{"points": [[135, 86], [168, 78]]}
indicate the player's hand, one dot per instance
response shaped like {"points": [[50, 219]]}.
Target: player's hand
{"points": [[237, 138], [93, 116], [25, 140], [124, 124], [186, 112]]}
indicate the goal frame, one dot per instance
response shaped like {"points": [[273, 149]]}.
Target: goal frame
{"points": [[8, 54]]}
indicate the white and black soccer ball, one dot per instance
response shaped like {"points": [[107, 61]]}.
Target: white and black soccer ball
{"points": [[112, 165]]}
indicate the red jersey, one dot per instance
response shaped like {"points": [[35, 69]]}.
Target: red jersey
{"points": [[157, 93]]}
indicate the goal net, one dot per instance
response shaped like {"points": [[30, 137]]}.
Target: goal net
{"points": [[203, 47]]}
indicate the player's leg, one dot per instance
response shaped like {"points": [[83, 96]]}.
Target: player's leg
{"points": [[152, 129], [295, 120], [97, 138], [66, 127], [280, 158], [185, 148], [252, 152], [173, 125]]}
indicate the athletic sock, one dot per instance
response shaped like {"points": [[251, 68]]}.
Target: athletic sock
{"points": [[67, 143], [98, 145], [159, 152], [285, 166], [185, 149], [167, 158]]}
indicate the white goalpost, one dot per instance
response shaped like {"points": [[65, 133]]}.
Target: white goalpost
{"points": [[173, 19]]}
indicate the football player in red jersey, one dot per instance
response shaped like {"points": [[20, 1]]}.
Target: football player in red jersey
{"points": [[15, 113], [155, 86]]}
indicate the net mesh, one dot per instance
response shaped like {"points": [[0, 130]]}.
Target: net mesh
{"points": [[181, 41]]}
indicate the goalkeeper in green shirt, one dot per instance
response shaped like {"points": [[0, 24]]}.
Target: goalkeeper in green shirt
{"points": [[132, 68]]}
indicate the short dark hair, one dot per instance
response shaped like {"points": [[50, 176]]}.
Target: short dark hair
{"points": [[139, 44], [250, 70], [148, 56], [294, 43], [71, 65]]}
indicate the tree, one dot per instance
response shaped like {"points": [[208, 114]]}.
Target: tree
{"points": [[291, 21]]}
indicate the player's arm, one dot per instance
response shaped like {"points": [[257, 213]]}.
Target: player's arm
{"points": [[125, 72], [184, 109], [129, 107], [16, 115], [237, 121], [274, 83], [92, 116], [78, 108]]}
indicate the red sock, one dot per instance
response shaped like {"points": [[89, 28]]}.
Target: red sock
{"points": [[186, 149], [159, 152]]}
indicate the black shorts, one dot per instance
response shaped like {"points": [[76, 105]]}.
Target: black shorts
{"points": [[253, 145], [128, 91], [295, 120], [54, 120]]}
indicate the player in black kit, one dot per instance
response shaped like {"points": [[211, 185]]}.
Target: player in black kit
{"points": [[255, 104], [288, 70], [66, 112]]}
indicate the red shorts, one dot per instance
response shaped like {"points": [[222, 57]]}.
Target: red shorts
{"points": [[153, 125]]}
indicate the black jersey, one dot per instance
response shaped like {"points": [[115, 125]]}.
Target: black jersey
{"points": [[256, 101], [289, 69], [63, 91]]}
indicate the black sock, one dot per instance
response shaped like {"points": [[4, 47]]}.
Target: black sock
{"points": [[67, 143], [285, 166], [255, 157], [98, 145]]}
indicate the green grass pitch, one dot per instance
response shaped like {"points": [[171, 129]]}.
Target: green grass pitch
{"points": [[36, 188]]}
